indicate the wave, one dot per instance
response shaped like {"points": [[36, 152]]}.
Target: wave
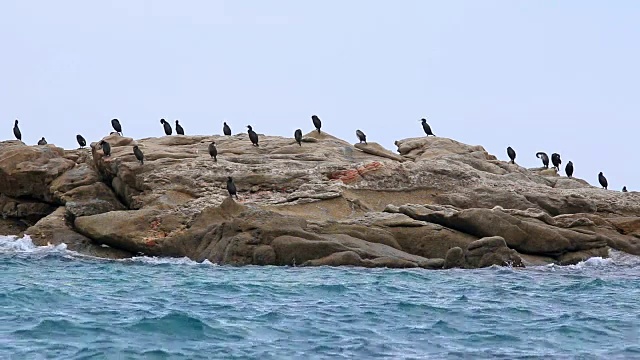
{"points": [[13, 244]]}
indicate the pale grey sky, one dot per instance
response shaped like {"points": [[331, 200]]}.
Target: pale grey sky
{"points": [[553, 76]]}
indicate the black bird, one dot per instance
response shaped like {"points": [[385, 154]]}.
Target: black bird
{"points": [[624, 189], [603, 181], [167, 126], [512, 154], [231, 187], [316, 122], [252, 136], [545, 159], [179, 129], [106, 148], [361, 136], [213, 151], [16, 131], [116, 126], [555, 160], [426, 127], [42, 141], [569, 169], [81, 141], [226, 129], [138, 153], [298, 135]]}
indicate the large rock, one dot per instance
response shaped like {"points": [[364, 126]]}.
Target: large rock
{"points": [[317, 204]]}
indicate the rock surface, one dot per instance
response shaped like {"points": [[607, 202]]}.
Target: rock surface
{"points": [[436, 203]]}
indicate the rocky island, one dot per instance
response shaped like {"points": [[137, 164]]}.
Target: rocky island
{"points": [[435, 203]]}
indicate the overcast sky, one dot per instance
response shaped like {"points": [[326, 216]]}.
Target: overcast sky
{"points": [[554, 76]]}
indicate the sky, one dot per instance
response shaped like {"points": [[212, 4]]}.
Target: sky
{"points": [[553, 76]]}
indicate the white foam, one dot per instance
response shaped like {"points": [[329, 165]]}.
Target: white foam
{"points": [[13, 244], [154, 260]]}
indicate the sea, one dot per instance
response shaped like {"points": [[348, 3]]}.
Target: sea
{"points": [[58, 304]]}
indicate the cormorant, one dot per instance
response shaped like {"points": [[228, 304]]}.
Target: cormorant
{"points": [[555, 160], [179, 129], [116, 126], [231, 187], [42, 141], [361, 136], [569, 169], [603, 181], [167, 126], [16, 131], [511, 153], [545, 159], [213, 151], [81, 141], [252, 136], [106, 148], [138, 153], [427, 128], [298, 136], [316, 122], [624, 189], [226, 129]]}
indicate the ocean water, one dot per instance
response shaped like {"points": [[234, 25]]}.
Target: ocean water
{"points": [[56, 304]]}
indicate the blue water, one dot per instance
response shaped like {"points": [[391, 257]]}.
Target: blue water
{"points": [[60, 305]]}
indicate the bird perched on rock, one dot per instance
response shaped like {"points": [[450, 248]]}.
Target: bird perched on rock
{"points": [[115, 123], [179, 129], [426, 127], [624, 189], [231, 187], [512, 154], [555, 160], [213, 151], [106, 148], [316, 122], [16, 131], [569, 169], [138, 153], [361, 136], [42, 141], [81, 141], [603, 181], [166, 126], [252, 136], [298, 136], [226, 129], [544, 157]]}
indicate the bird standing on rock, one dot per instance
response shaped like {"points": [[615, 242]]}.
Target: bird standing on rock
{"points": [[106, 148], [544, 157], [231, 187], [569, 169], [512, 154], [138, 153], [361, 136], [555, 160], [16, 131], [42, 141], [115, 123], [298, 136], [624, 189], [167, 126], [179, 129], [226, 129], [213, 151], [603, 181], [81, 141], [252, 136], [426, 127], [316, 122]]}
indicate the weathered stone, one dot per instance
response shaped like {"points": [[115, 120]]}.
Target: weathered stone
{"points": [[454, 258]]}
